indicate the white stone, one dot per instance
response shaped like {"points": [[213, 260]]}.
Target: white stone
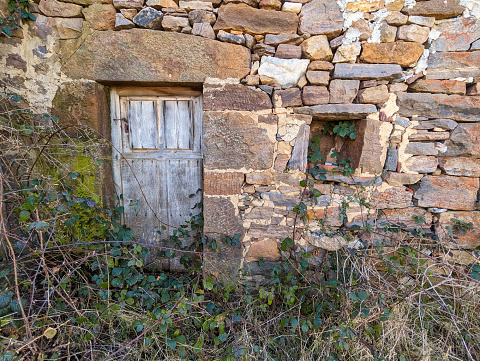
{"points": [[333, 243], [347, 53], [292, 7], [286, 72], [195, 5], [421, 20]]}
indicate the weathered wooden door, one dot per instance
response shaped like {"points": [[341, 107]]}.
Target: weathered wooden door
{"points": [[158, 160]]}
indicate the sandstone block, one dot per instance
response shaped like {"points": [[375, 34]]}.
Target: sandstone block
{"points": [[56, 8], [121, 22], [421, 20], [347, 53], [216, 183], [153, 51], [404, 53], [395, 197], [396, 18], [365, 6], [439, 9], [464, 141], [82, 103], [313, 95], [321, 17], [285, 72], [460, 166], [421, 164], [174, 23], [387, 33], [330, 215], [271, 231], [263, 178], [457, 193], [234, 97], [448, 65], [195, 5], [464, 226], [100, 16], [373, 95], [338, 111], [456, 107], [220, 219], [129, 13], [391, 162], [263, 50], [292, 7], [281, 162], [288, 51], [201, 16], [298, 160], [274, 40], [397, 87], [160, 4], [369, 150], [333, 243], [266, 249], [429, 136], [149, 18], [439, 86], [270, 4], [287, 98], [204, 30], [367, 71], [320, 65], [399, 179], [317, 77], [407, 218], [446, 124], [317, 48], [128, 4], [418, 148], [234, 140], [413, 32], [64, 28], [364, 27], [457, 35], [343, 91], [255, 21]]}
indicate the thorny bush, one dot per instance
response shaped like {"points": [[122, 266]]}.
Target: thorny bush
{"points": [[74, 285]]}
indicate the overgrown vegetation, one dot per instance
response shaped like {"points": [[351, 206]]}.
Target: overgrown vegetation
{"points": [[74, 285], [16, 11]]}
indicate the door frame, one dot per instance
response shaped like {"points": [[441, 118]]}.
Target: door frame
{"points": [[167, 93]]}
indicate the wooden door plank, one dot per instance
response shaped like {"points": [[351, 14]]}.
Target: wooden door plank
{"points": [[143, 124], [144, 223], [184, 124]]}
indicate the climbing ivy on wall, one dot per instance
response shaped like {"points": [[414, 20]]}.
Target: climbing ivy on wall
{"points": [[12, 20]]}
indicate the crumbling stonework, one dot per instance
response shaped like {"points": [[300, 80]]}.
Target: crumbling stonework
{"points": [[276, 74]]}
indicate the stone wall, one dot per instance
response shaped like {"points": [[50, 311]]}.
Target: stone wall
{"points": [[274, 75]]}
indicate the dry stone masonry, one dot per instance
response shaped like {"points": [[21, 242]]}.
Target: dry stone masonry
{"points": [[275, 74]]}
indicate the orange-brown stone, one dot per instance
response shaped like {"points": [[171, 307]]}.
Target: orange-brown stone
{"points": [[403, 53], [457, 193]]}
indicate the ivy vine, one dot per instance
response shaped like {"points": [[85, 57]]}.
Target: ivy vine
{"points": [[16, 11]]}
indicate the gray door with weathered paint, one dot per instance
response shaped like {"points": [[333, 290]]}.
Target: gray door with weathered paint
{"points": [[159, 162]]}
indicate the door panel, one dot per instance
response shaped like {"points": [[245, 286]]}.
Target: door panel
{"points": [[178, 124], [144, 223], [142, 125], [160, 164]]}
